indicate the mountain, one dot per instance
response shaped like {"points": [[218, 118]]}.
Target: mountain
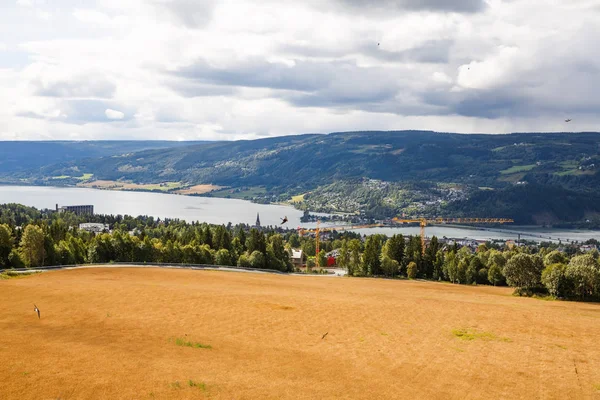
{"points": [[24, 155], [382, 173]]}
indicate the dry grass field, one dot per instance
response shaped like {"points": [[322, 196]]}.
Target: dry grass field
{"points": [[145, 333]]}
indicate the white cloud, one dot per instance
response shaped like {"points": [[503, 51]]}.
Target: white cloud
{"points": [[242, 69], [113, 114]]}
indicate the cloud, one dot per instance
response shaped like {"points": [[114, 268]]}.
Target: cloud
{"points": [[248, 69], [306, 84], [393, 6], [90, 86], [193, 89], [113, 114], [191, 13], [79, 112]]}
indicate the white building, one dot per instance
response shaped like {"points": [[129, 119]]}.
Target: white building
{"points": [[94, 227]]}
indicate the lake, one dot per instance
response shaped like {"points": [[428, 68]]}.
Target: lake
{"points": [[222, 211]]}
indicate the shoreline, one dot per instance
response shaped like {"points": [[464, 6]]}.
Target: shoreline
{"points": [[529, 230]]}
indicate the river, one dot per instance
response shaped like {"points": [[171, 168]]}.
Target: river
{"points": [[222, 211]]}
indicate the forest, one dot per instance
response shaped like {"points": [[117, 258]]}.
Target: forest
{"points": [[32, 238]]}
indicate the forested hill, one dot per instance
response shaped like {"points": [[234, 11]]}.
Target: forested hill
{"points": [[28, 155], [306, 161], [299, 164]]}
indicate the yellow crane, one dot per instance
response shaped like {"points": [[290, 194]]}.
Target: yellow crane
{"points": [[423, 222]]}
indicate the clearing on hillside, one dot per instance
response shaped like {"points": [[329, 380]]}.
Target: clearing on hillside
{"points": [[149, 333]]}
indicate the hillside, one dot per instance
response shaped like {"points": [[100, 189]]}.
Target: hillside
{"points": [[25, 155], [379, 171]]}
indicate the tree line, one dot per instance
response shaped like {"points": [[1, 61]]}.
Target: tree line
{"points": [[33, 238]]}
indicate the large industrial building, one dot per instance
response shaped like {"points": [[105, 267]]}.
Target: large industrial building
{"points": [[78, 210]]}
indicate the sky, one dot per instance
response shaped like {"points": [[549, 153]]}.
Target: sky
{"points": [[238, 69]]}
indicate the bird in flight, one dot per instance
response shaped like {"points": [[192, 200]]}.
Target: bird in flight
{"points": [[284, 220], [568, 120], [37, 310]]}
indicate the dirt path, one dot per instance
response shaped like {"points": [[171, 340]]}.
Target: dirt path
{"points": [[111, 333]]}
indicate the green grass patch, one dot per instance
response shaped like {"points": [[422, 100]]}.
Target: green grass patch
{"points": [[240, 193], [195, 345], [518, 168], [575, 172], [298, 199], [597, 387], [85, 177], [176, 385], [199, 385], [164, 187], [561, 346], [499, 148], [470, 334], [60, 177], [568, 164], [485, 188], [17, 275]]}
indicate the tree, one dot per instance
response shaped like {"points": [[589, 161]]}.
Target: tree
{"points": [[256, 242], [450, 267], [555, 257], [389, 267], [473, 270], [495, 274], [222, 257], [344, 255], [32, 246], [394, 248], [354, 261], [64, 253], [371, 264], [257, 259], [430, 258], [294, 241], [322, 259], [15, 260], [241, 236], [461, 270], [244, 261], [207, 237], [555, 280], [277, 257], [524, 271], [221, 238], [438, 265], [6, 244], [309, 247], [411, 270], [584, 274]]}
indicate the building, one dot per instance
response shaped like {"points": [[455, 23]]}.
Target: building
{"points": [[298, 258], [92, 227], [257, 223], [78, 210]]}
